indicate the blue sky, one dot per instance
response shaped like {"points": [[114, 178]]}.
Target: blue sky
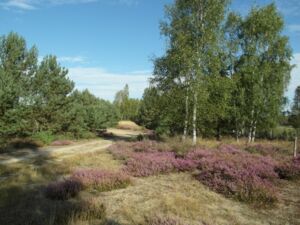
{"points": [[108, 43]]}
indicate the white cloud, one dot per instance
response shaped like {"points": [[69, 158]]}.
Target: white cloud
{"points": [[295, 79], [294, 28], [71, 59], [19, 4], [67, 59], [289, 8], [35, 4], [105, 84]]}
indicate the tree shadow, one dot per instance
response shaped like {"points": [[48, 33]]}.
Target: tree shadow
{"points": [[23, 200], [19, 144], [31, 207]]}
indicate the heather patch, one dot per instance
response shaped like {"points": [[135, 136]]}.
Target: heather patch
{"points": [[235, 173], [63, 190], [289, 169], [101, 180], [146, 158], [147, 164], [226, 170]]}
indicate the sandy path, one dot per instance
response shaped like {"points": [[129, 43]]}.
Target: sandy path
{"points": [[62, 152], [57, 153]]}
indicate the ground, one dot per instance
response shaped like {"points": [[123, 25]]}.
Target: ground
{"points": [[176, 195]]}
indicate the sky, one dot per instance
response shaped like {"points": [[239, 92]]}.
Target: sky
{"points": [[106, 44]]}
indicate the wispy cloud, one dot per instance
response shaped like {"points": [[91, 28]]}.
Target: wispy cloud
{"points": [[294, 28], [18, 4], [295, 79], [72, 59], [289, 7], [105, 84], [68, 59], [35, 4]]}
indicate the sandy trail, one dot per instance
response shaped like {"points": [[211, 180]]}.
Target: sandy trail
{"points": [[58, 153]]}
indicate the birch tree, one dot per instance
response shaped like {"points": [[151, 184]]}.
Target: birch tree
{"points": [[263, 67], [192, 29]]}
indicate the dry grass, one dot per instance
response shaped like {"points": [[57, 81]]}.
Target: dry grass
{"points": [[181, 196], [101, 160], [128, 125], [176, 143], [175, 195], [23, 200], [124, 133]]}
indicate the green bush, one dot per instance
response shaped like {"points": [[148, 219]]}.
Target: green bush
{"points": [[87, 135], [45, 137], [280, 133]]}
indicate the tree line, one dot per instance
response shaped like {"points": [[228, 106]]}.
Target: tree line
{"points": [[38, 98], [222, 73]]}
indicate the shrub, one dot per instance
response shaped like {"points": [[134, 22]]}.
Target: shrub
{"points": [[45, 137], [149, 146], [124, 150], [146, 158], [147, 164], [120, 150], [101, 180], [86, 135], [63, 190], [233, 172], [198, 154], [182, 164], [179, 146], [19, 143], [289, 169], [263, 149]]}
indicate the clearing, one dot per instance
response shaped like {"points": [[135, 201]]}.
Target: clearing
{"points": [[24, 174]]}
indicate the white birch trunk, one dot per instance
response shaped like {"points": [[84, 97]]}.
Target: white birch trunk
{"points": [[253, 133], [250, 134], [195, 120], [251, 127], [186, 116], [237, 136], [295, 146]]}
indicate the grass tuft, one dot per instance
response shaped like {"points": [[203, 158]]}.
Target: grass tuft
{"points": [[101, 180], [63, 190]]}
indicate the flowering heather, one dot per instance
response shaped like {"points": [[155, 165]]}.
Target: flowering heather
{"points": [[183, 164], [289, 169], [147, 164], [149, 146], [233, 172], [198, 154], [123, 150], [120, 151], [146, 158], [63, 190], [101, 179]]}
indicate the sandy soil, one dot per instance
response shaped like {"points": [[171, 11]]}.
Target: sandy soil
{"points": [[62, 152]]}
